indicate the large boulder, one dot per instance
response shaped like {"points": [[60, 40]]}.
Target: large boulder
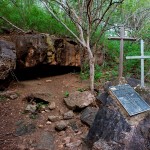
{"points": [[114, 129], [7, 58], [35, 49], [79, 100]]}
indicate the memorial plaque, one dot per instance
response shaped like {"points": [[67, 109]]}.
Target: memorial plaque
{"points": [[130, 99]]}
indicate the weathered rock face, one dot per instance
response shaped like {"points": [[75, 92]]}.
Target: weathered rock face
{"points": [[67, 52], [88, 115], [38, 49], [7, 58], [31, 50], [114, 130]]}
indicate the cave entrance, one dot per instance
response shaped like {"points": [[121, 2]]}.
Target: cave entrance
{"points": [[41, 71]]}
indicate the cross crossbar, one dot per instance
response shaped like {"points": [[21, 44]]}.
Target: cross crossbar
{"points": [[124, 38], [137, 57]]}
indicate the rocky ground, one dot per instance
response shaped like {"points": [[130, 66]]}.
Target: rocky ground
{"points": [[34, 115]]}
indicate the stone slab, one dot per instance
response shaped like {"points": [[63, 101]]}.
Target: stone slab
{"points": [[130, 99]]}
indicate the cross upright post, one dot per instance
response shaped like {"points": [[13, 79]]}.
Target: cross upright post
{"points": [[142, 57], [121, 38], [142, 63]]}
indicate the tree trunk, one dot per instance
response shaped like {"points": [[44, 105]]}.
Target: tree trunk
{"points": [[92, 71]]}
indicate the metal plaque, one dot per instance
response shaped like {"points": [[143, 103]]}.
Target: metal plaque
{"points": [[130, 99]]}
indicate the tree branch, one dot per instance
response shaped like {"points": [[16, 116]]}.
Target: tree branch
{"points": [[51, 12], [12, 24]]}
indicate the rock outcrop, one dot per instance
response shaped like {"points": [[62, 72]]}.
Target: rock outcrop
{"points": [[7, 58], [113, 129], [38, 49]]}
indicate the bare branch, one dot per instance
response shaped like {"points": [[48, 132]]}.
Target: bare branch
{"points": [[52, 13], [12, 24]]}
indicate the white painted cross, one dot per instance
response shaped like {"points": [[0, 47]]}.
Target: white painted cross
{"points": [[142, 57]]}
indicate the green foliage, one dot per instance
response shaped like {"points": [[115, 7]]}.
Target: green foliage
{"points": [[131, 67], [81, 90], [85, 73], [31, 17], [66, 94], [3, 98]]}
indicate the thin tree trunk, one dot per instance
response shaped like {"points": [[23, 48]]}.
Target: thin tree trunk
{"points": [[92, 72], [92, 69]]}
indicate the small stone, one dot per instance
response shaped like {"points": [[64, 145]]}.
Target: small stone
{"points": [[61, 146], [46, 110], [31, 108], [68, 115], [79, 133], [48, 81], [67, 140], [48, 122], [62, 125], [62, 133], [42, 108], [74, 126], [54, 118], [13, 96], [43, 112], [40, 126], [52, 106], [74, 145]]}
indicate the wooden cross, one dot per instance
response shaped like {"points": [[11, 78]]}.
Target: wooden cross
{"points": [[142, 57], [121, 38]]}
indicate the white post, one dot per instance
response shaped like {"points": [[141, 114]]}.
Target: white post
{"points": [[142, 64]]}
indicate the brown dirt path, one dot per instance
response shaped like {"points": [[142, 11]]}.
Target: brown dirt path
{"points": [[11, 113]]}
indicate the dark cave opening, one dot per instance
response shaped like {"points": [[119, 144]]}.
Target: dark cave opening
{"points": [[41, 71], [36, 72]]}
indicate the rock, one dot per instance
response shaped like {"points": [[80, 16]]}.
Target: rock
{"points": [[74, 145], [43, 98], [48, 81], [79, 100], [13, 96], [35, 49], [52, 106], [114, 129], [67, 52], [88, 115], [46, 141], [54, 118], [7, 58], [40, 126], [101, 145], [68, 115], [9, 94], [74, 126], [62, 133], [31, 108], [133, 82], [62, 125], [48, 122], [67, 140], [23, 129]]}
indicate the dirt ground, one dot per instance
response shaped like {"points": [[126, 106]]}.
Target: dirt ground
{"points": [[12, 114]]}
